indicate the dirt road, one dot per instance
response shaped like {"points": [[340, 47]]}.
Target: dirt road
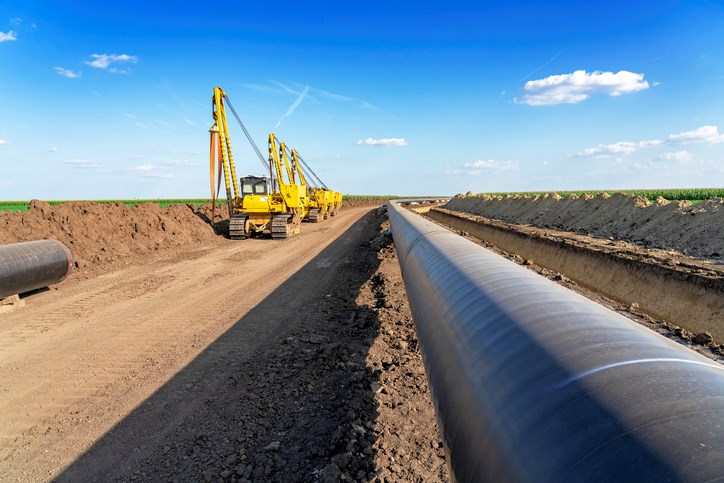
{"points": [[180, 369]]}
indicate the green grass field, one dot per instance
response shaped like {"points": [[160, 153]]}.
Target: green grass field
{"points": [[23, 205]]}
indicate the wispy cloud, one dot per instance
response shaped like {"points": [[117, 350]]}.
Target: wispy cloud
{"points": [[482, 166], [678, 156], [383, 142], [157, 125], [342, 98], [2, 141], [259, 87], [181, 162], [704, 134], [189, 122], [486, 165], [7, 37], [621, 147], [284, 87], [82, 163], [313, 94], [67, 73], [105, 61], [54, 149], [150, 171], [541, 66], [580, 85], [293, 107]]}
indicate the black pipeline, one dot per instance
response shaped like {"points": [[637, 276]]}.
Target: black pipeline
{"points": [[533, 382], [32, 265]]}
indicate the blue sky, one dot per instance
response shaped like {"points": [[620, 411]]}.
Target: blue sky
{"points": [[112, 99]]}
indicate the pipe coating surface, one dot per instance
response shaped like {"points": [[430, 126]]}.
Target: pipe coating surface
{"points": [[533, 382], [32, 265]]}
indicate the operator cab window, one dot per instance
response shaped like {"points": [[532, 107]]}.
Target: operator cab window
{"points": [[247, 187], [260, 188]]}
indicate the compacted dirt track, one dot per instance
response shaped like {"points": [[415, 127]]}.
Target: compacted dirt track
{"points": [[238, 361]]}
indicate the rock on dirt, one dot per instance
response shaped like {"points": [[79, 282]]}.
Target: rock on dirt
{"points": [[695, 230]]}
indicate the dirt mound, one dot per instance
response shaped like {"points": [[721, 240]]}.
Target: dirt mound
{"points": [[104, 237], [696, 230]]}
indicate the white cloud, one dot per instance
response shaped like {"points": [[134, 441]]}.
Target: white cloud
{"points": [[621, 147], [151, 171], [67, 73], [679, 156], [704, 134], [54, 149], [82, 163], [383, 142], [580, 85], [7, 37], [189, 121], [2, 141], [103, 61], [482, 165]]}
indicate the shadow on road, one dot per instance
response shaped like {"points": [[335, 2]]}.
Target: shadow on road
{"points": [[282, 395]]}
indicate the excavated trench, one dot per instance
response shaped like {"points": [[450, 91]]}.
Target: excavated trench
{"points": [[676, 295]]}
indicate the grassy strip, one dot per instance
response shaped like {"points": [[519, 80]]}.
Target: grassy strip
{"points": [[23, 204], [693, 195]]}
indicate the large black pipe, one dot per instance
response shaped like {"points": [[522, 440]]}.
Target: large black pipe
{"points": [[32, 265], [533, 382]]}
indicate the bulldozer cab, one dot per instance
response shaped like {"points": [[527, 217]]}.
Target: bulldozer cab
{"points": [[254, 185]]}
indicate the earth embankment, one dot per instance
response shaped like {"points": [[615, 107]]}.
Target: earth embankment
{"points": [[695, 230]]}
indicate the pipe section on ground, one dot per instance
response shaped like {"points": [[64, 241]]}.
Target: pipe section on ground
{"points": [[32, 265], [533, 382]]}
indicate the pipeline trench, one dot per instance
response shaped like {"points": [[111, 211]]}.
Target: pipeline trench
{"points": [[677, 296]]}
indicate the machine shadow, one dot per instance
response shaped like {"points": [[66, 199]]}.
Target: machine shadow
{"points": [[282, 395], [220, 227]]}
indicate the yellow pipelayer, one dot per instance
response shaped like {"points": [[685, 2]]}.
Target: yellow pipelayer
{"points": [[323, 202], [256, 207]]}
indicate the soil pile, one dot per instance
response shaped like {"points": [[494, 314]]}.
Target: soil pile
{"points": [[104, 237], [695, 230]]}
